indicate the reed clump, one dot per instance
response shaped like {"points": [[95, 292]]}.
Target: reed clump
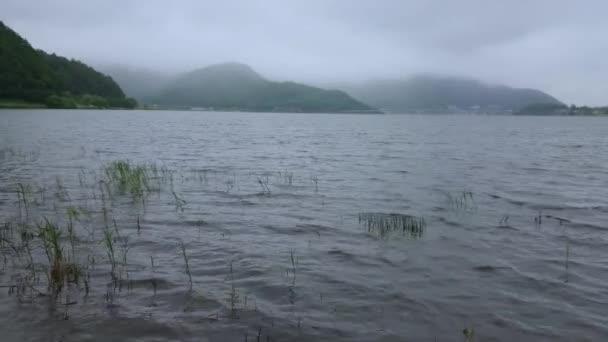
{"points": [[128, 178], [61, 269], [385, 225]]}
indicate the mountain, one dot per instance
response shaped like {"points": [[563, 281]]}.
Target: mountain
{"points": [[234, 86], [136, 82], [560, 109], [440, 94], [32, 76]]}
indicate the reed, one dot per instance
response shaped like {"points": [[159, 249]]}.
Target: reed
{"points": [[72, 213], [61, 191], [385, 225], [61, 270], [182, 247], [128, 179], [263, 181], [315, 181], [108, 241], [233, 295], [24, 197], [180, 203]]}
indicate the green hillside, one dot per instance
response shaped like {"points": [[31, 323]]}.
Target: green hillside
{"points": [[34, 78], [233, 86], [428, 93]]}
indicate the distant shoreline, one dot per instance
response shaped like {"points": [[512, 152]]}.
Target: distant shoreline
{"points": [[37, 106], [31, 105]]}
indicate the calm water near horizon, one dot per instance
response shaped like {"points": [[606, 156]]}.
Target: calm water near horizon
{"points": [[268, 209]]}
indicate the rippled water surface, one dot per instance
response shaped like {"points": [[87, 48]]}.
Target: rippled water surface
{"points": [[268, 208]]}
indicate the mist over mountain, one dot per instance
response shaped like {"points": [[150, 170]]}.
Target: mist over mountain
{"points": [[437, 94], [235, 86], [138, 83]]}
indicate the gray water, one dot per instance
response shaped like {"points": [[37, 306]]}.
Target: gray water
{"points": [[483, 263]]}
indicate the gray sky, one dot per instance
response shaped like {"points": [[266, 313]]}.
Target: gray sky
{"points": [[559, 46]]}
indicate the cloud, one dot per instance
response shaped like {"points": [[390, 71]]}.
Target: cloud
{"points": [[556, 45]]}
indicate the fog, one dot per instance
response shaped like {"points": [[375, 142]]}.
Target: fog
{"points": [[558, 46]]}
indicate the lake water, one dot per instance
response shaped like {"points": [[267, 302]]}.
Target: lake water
{"points": [[268, 208]]}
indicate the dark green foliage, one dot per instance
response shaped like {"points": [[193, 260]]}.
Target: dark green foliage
{"points": [[543, 109], [437, 94], [56, 101], [557, 109], [233, 86], [24, 73], [78, 78], [34, 76]]}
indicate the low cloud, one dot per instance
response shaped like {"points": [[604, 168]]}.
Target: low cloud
{"points": [[557, 46]]}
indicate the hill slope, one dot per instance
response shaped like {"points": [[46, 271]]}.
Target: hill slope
{"points": [[233, 86], [426, 93], [34, 76]]}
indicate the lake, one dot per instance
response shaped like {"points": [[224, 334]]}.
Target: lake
{"points": [[302, 227]]}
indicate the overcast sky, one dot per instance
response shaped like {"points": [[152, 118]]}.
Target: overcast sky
{"points": [[559, 46]]}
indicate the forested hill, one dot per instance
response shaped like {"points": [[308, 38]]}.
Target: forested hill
{"points": [[440, 94], [33, 77], [234, 86]]}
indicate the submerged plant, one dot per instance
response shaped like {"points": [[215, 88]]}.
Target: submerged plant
{"points": [[460, 200], [387, 224]]}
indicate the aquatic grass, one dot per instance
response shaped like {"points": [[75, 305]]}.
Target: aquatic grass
{"points": [[315, 181], [61, 191], [293, 262], [25, 198], [108, 241], [124, 246], [538, 220], [285, 177], [72, 213], [385, 225], [61, 270], [233, 295], [462, 200], [567, 259], [12, 153], [128, 178], [180, 203], [469, 334], [182, 247], [292, 285], [503, 223], [7, 152], [264, 184]]}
